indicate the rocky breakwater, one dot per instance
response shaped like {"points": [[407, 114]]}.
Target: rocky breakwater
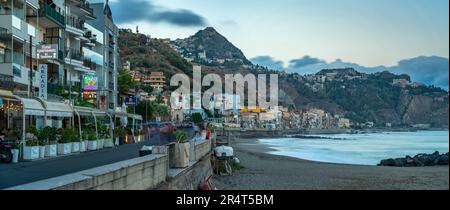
{"points": [[419, 160]]}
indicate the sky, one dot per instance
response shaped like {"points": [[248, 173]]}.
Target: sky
{"points": [[367, 32]]}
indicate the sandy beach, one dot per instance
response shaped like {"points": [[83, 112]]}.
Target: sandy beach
{"points": [[271, 172]]}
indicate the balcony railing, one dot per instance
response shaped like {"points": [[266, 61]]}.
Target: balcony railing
{"points": [[88, 63], [12, 57], [86, 6], [53, 14], [74, 54], [75, 22], [60, 55]]}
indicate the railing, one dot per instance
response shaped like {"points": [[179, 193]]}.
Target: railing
{"points": [[88, 63], [75, 22], [111, 64], [74, 54], [14, 57], [111, 86], [60, 55], [53, 14], [86, 6]]}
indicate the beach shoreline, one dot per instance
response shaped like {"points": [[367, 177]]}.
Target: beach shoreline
{"points": [[264, 171]]}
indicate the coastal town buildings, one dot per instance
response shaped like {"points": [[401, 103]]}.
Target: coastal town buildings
{"points": [[157, 80]]}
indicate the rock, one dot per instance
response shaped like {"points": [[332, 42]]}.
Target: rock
{"points": [[400, 162], [409, 161], [387, 162], [443, 159], [424, 159], [418, 160]]}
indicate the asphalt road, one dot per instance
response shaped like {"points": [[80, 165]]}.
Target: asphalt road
{"points": [[27, 172]]}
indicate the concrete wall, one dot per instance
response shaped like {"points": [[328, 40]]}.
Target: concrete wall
{"points": [[189, 178], [202, 149], [142, 173]]}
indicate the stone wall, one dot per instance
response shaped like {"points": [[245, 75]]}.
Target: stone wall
{"points": [[142, 173], [189, 178], [202, 149]]}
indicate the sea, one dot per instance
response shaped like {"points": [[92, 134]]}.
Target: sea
{"points": [[360, 149]]}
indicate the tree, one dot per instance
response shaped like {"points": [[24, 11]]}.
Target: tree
{"points": [[125, 82], [197, 118]]}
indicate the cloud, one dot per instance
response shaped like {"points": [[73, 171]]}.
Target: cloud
{"points": [[268, 62], [305, 61], [229, 23], [431, 70], [144, 10]]}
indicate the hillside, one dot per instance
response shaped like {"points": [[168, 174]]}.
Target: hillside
{"points": [[149, 54], [362, 97], [210, 48]]}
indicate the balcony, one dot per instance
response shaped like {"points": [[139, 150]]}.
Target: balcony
{"points": [[86, 7], [60, 55], [111, 86], [12, 57], [111, 65], [52, 14], [74, 54], [89, 64], [75, 26]]}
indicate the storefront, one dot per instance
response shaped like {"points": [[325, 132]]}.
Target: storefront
{"points": [[17, 114]]}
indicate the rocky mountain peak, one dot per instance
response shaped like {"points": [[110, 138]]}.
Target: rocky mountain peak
{"points": [[209, 47]]}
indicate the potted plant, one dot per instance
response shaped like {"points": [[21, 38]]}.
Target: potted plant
{"points": [[51, 146], [182, 147], [102, 129], [15, 150], [31, 148], [76, 144], [65, 143], [108, 139], [92, 140], [42, 138], [83, 145], [117, 133], [136, 134]]}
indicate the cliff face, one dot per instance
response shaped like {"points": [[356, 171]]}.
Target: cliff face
{"points": [[420, 109]]}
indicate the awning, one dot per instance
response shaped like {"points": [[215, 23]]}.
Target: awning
{"points": [[57, 109], [32, 107], [120, 114], [136, 117], [85, 111]]}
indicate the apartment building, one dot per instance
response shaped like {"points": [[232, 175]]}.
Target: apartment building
{"points": [[108, 33], [77, 42]]}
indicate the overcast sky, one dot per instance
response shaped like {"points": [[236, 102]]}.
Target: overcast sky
{"points": [[367, 32]]}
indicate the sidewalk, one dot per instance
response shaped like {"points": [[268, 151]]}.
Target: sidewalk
{"points": [[27, 172]]}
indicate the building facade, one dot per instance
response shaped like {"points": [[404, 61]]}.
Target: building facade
{"points": [[65, 48]]}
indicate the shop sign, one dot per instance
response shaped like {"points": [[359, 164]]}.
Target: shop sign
{"points": [[47, 51], [43, 81], [90, 82]]}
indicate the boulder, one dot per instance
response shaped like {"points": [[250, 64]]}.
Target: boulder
{"points": [[443, 159], [418, 160], [400, 162], [387, 162]]}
